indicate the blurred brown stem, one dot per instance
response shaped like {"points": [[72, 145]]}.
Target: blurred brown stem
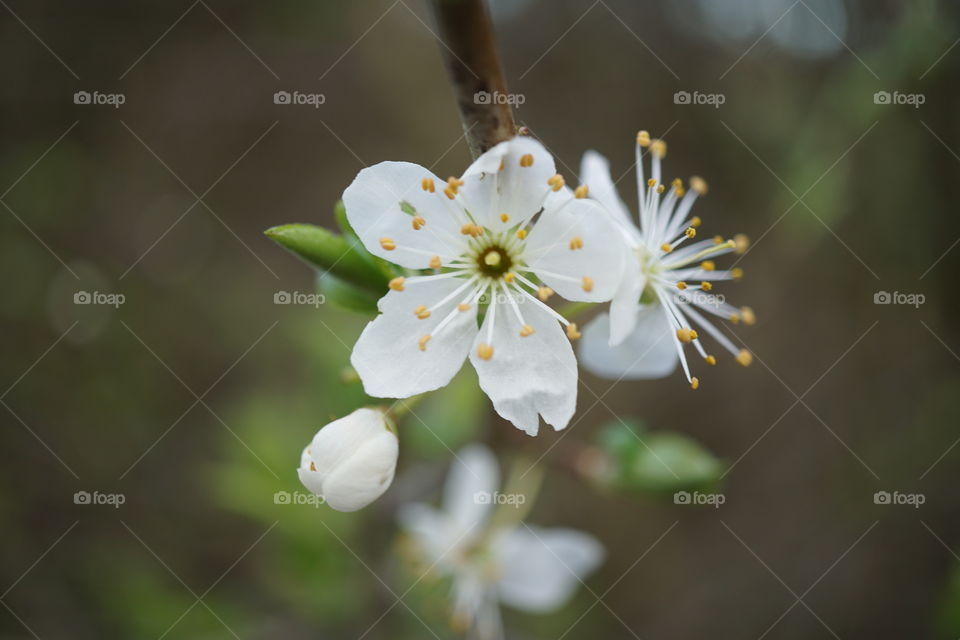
{"points": [[470, 54]]}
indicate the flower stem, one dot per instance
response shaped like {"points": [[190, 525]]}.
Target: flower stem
{"points": [[574, 309], [473, 63], [401, 408]]}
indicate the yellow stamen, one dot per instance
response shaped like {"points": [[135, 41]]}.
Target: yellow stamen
{"points": [[699, 185], [526, 160], [587, 284], [666, 248], [544, 293], [745, 357], [694, 383], [581, 191], [556, 182], [651, 183], [693, 334], [695, 221], [472, 230], [690, 232], [736, 272], [572, 332], [658, 148], [450, 193], [435, 262], [735, 318], [526, 330], [643, 138], [422, 312], [718, 240], [422, 342], [741, 242], [708, 265], [706, 286], [397, 283], [492, 259], [576, 243], [521, 233], [418, 223], [661, 188], [711, 360], [509, 277], [427, 184], [388, 244], [454, 183], [749, 317], [313, 466], [504, 217], [485, 351], [463, 306], [681, 285], [684, 335]]}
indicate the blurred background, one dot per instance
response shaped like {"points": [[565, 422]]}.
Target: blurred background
{"points": [[183, 391]]}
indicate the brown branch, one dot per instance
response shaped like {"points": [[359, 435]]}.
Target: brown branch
{"points": [[470, 54]]}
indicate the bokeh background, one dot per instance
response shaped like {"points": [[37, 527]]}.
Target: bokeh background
{"points": [[193, 398]]}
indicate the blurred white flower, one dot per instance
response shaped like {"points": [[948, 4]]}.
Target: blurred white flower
{"points": [[483, 239], [670, 280], [351, 461], [495, 560]]}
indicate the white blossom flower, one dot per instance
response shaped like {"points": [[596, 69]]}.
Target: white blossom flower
{"points": [[483, 241], [666, 290], [528, 568], [351, 461]]}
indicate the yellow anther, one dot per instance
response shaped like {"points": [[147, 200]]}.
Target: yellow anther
{"points": [[556, 182], [435, 262], [694, 383], [666, 248], [684, 335], [450, 193], [661, 188], [695, 221], [313, 466], [422, 312], [526, 330], [397, 283], [693, 334], [427, 184], [677, 183], [572, 332], [492, 259], [455, 183], [643, 138], [736, 272], [587, 284], [581, 191], [658, 148], [651, 182], [741, 242], [699, 185], [485, 351], [711, 360], [734, 318], [504, 217], [388, 244], [509, 277], [521, 233], [526, 160], [418, 223], [745, 357], [681, 192], [706, 286], [690, 232], [502, 165], [463, 306], [576, 242], [749, 317], [472, 230], [708, 265], [544, 293], [681, 285], [718, 240], [422, 342]]}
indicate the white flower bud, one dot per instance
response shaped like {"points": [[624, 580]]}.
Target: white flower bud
{"points": [[351, 461]]}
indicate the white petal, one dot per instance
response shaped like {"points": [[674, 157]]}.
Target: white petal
{"points": [[624, 307], [528, 375], [429, 527], [373, 204], [543, 568], [601, 257], [648, 352], [387, 356], [515, 190], [595, 173], [467, 495]]}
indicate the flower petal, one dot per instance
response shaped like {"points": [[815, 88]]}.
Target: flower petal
{"points": [[468, 492], [365, 476], [648, 352], [544, 567], [381, 203], [576, 250], [595, 173], [527, 375], [623, 307], [518, 189], [387, 356]]}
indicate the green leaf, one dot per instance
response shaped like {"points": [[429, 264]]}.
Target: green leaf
{"points": [[345, 295], [329, 252]]}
